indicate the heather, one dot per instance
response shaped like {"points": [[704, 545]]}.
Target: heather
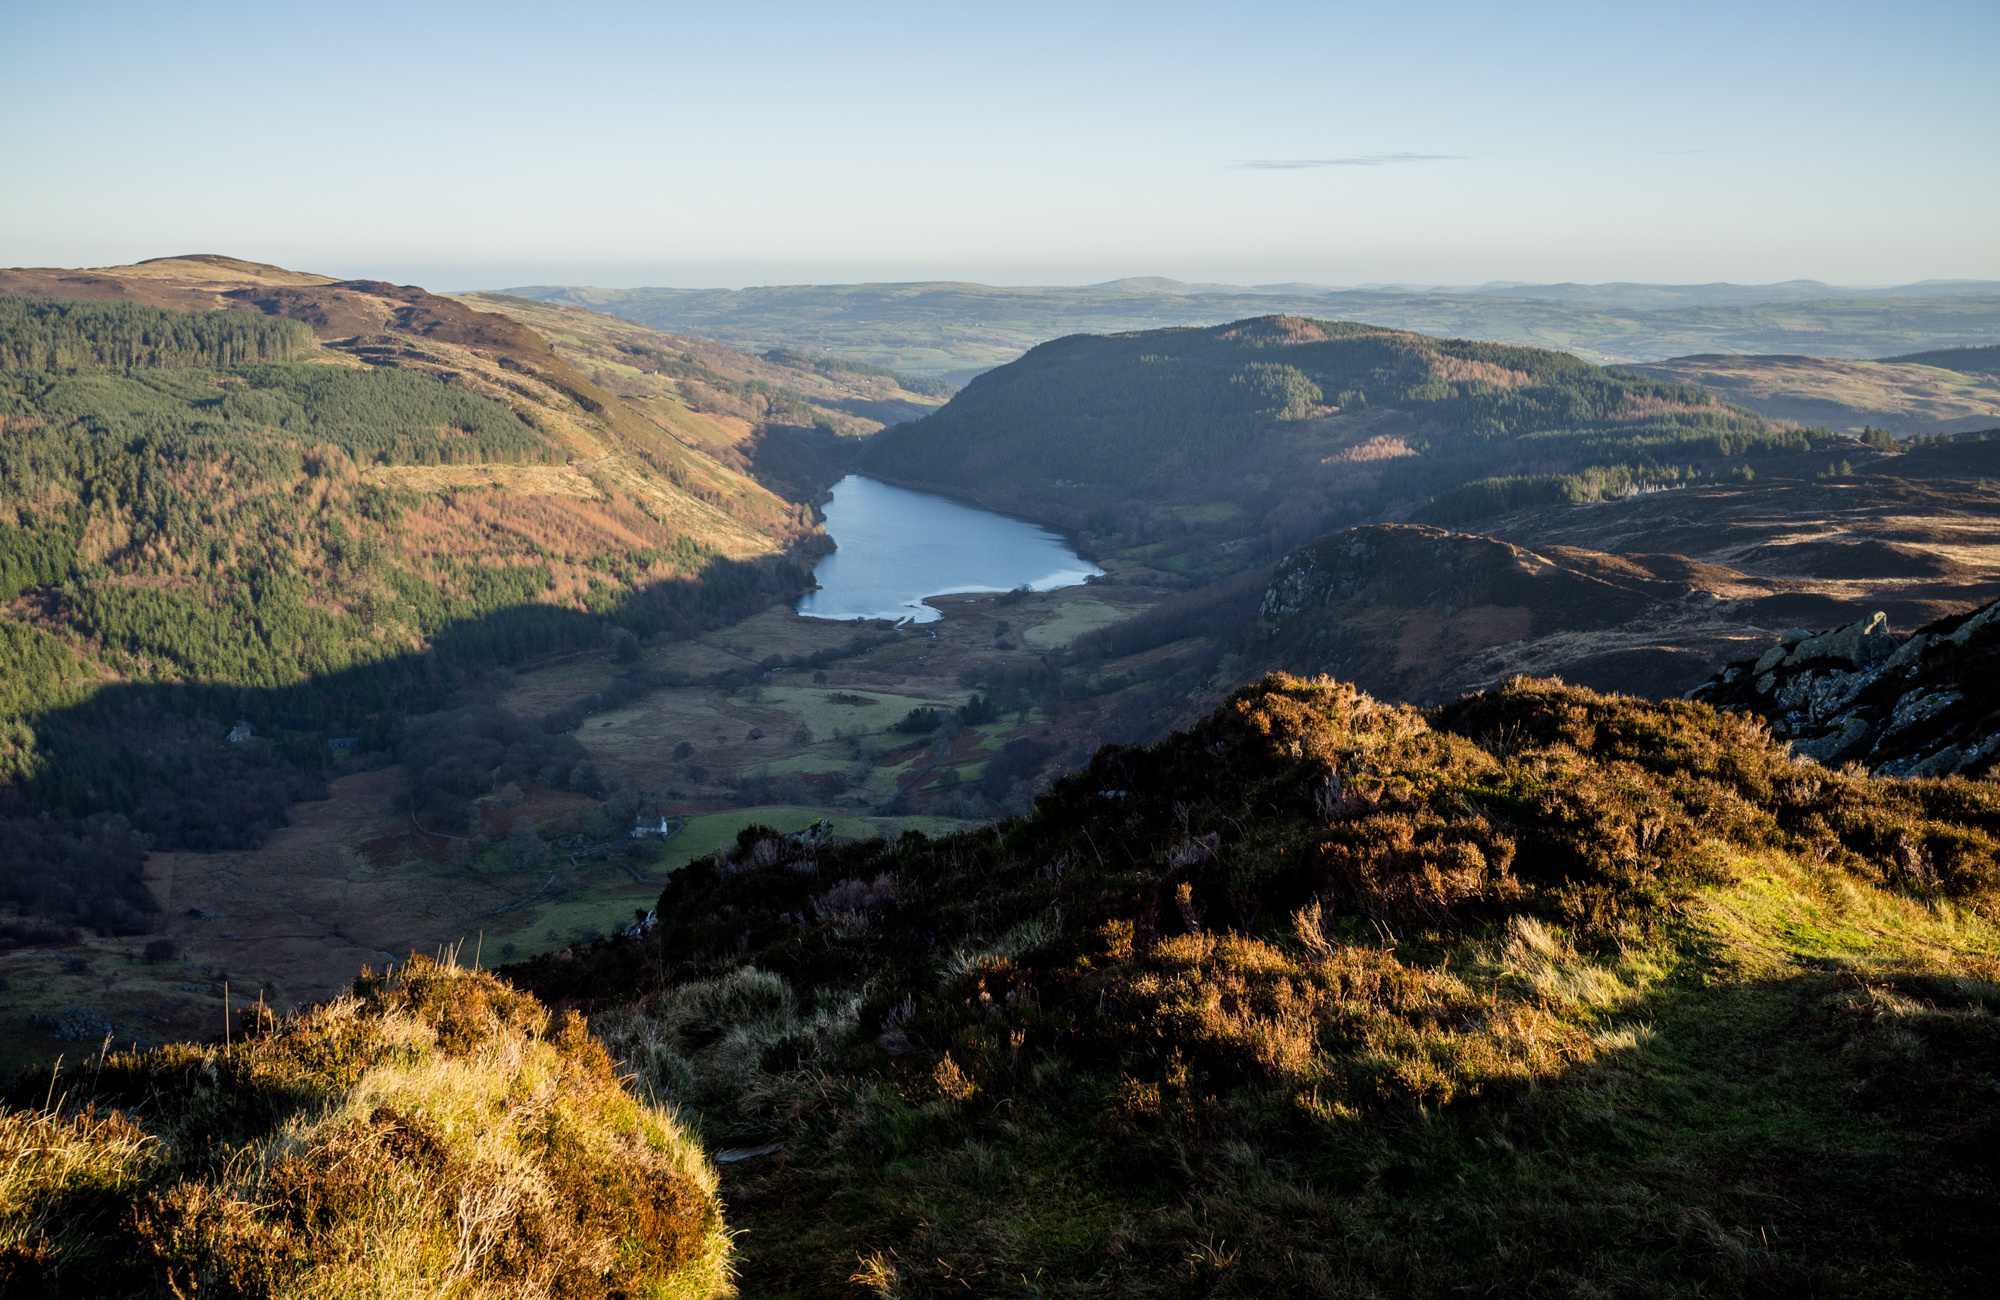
{"points": [[1545, 991]]}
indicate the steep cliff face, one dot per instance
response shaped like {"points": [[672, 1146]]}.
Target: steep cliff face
{"points": [[1425, 614], [1923, 705]]}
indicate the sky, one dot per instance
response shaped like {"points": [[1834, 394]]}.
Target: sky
{"points": [[469, 146]]}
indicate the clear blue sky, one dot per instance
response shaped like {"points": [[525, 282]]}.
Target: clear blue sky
{"points": [[464, 146]]}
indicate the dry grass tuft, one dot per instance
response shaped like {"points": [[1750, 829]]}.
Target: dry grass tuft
{"points": [[434, 1134]]}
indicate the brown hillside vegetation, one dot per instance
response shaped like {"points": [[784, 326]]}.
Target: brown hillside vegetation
{"points": [[407, 328], [1968, 360], [794, 422], [1918, 394], [435, 1133], [1544, 992], [1650, 594]]}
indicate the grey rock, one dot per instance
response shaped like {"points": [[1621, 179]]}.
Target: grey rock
{"points": [[1875, 647], [1836, 745], [1973, 624], [1766, 682], [1942, 763], [1794, 636], [1768, 660], [1918, 706], [1910, 651], [1843, 643]]}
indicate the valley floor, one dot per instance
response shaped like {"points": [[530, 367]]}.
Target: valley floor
{"points": [[357, 881]]}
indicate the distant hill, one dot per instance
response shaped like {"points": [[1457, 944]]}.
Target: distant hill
{"points": [[954, 330], [1206, 450], [1653, 297], [792, 421], [1647, 595], [1970, 361], [1924, 393]]}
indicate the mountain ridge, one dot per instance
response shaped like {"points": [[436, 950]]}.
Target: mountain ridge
{"points": [[955, 329]]}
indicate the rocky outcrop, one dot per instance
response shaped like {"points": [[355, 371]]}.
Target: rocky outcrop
{"points": [[1927, 704]]}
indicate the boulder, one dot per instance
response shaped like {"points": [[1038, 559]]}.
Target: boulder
{"points": [[1836, 745], [1854, 644], [1971, 625]]}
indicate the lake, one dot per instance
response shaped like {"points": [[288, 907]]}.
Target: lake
{"points": [[898, 546]]}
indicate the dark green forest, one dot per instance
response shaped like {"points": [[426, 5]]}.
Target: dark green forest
{"points": [[187, 546], [1110, 434], [54, 333]]}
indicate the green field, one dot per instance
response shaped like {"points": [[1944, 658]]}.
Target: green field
{"points": [[1072, 620]]}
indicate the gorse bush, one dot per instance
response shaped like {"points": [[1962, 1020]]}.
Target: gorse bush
{"points": [[434, 1134]]}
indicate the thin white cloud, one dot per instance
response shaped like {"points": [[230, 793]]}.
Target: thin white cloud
{"points": [[1354, 160]]}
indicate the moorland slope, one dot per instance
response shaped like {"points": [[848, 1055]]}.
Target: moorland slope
{"points": [[1647, 595], [1944, 392], [1543, 992], [434, 1133]]}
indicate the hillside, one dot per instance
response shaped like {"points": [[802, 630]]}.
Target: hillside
{"points": [[235, 494], [1201, 450], [783, 721], [792, 420], [955, 330], [1903, 395], [1542, 992], [1970, 361], [1647, 595]]}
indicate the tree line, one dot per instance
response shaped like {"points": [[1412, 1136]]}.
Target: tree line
{"points": [[61, 333]]}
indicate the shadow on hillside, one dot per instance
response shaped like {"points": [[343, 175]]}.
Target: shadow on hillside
{"points": [[1825, 1123], [141, 766], [1785, 1135]]}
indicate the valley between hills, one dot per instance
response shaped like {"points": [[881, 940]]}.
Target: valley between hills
{"points": [[1411, 858], [1640, 576]]}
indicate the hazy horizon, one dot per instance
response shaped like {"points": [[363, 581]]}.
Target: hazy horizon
{"points": [[486, 146]]}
